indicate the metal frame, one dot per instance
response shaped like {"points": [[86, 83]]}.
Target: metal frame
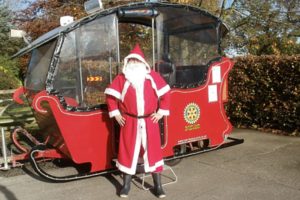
{"points": [[4, 153], [173, 178]]}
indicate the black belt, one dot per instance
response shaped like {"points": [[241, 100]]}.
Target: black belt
{"points": [[138, 116]]}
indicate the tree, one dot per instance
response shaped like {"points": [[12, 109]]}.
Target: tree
{"points": [[9, 71], [8, 46], [215, 7], [264, 27], [42, 16]]}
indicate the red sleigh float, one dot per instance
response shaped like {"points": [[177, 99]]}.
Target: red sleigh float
{"points": [[70, 68]]}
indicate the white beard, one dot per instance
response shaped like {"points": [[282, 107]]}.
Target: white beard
{"points": [[135, 73]]}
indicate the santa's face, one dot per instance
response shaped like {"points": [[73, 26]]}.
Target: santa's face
{"points": [[136, 67], [135, 72], [134, 64]]}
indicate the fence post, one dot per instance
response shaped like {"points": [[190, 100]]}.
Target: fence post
{"points": [[5, 167]]}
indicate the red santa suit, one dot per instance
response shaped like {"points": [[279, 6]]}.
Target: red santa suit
{"points": [[124, 99]]}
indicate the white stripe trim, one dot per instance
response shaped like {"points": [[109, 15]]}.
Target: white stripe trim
{"points": [[124, 91], [145, 145], [114, 113], [136, 153], [139, 93], [155, 166], [132, 170], [163, 112], [113, 92], [37, 101], [124, 169], [163, 90], [137, 149]]}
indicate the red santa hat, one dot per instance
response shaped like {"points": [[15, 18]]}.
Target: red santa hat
{"points": [[138, 54]]}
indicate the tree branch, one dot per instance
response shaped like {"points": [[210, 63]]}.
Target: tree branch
{"points": [[222, 7]]}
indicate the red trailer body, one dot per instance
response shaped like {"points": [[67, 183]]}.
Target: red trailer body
{"points": [[71, 66], [198, 113]]}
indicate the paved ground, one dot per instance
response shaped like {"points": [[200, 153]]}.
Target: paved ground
{"points": [[264, 167]]}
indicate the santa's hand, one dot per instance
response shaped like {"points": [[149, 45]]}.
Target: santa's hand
{"points": [[155, 117], [120, 119]]}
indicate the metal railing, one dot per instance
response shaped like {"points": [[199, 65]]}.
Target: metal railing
{"points": [[8, 100], [5, 102]]}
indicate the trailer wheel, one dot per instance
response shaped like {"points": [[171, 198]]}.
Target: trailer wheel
{"points": [[174, 162], [178, 150], [203, 144]]}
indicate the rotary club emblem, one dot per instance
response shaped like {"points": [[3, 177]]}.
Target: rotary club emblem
{"points": [[191, 113]]}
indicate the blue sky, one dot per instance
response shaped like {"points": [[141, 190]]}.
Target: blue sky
{"points": [[20, 4], [16, 4], [228, 3]]}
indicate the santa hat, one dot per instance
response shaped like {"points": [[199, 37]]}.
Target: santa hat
{"points": [[138, 54]]}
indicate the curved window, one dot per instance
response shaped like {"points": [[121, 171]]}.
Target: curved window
{"points": [[187, 42], [38, 67], [87, 57]]}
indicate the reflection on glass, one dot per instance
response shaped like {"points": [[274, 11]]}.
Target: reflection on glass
{"points": [[85, 60]]}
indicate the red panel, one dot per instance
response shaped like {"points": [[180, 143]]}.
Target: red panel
{"points": [[193, 117], [87, 135], [16, 96]]}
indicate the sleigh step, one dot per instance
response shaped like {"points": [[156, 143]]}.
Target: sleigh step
{"points": [[144, 180]]}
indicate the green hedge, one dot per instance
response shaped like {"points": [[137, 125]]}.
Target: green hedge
{"points": [[264, 93], [9, 72]]}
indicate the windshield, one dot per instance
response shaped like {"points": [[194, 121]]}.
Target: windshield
{"points": [[87, 57], [38, 67]]}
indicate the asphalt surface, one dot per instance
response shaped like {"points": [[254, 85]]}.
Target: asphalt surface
{"points": [[264, 167]]}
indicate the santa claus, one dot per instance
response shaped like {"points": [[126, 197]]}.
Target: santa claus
{"points": [[138, 98]]}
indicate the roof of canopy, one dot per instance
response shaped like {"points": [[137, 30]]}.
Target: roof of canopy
{"points": [[206, 19]]}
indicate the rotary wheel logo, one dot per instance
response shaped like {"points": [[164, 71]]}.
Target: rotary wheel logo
{"points": [[191, 113]]}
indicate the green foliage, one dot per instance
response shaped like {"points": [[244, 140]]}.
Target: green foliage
{"points": [[264, 93], [264, 27], [9, 72], [8, 45]]}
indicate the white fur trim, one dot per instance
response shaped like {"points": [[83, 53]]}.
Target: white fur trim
{"points": [[163, 112], [160, 92], [155, 166], [163, 90], [124, 169], [153, 84], [113, 92], [144, 144], [124, 91], [114, 113]]}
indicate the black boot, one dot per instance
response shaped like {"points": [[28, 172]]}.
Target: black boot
{"points": [[126, 185], [158, 189]]}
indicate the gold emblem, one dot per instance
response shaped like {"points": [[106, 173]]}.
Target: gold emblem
{"points": [[191, 113]]}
